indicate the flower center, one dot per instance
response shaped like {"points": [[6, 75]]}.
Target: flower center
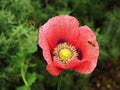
{"points": [[65, 52]]}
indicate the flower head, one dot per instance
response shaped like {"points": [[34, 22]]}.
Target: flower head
{"points": [[65, 45]]}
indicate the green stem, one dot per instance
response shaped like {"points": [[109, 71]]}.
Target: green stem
{"points": [[23, 77], [59, 82]]}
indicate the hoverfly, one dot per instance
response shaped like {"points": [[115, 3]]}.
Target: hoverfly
{"points": [[92, 43], [31, 22]]}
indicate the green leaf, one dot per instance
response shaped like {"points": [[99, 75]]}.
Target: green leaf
{"points": [[32, 49], [22, 88], [31, 77], [18, 59]]}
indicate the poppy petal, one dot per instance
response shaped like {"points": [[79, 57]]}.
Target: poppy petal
{"points": [[87, 49], [46, 53], [68, 65], [89, 52], [45, 48], [60, 27], [53, 70], [85, 67]]}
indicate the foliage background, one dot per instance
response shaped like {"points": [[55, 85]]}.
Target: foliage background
{"points": [[22, 66]]}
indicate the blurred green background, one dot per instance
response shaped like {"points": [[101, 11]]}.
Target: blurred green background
{"points": [[22, 66]]}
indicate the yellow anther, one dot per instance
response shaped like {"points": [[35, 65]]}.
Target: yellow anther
{"points": [[65, 52]]}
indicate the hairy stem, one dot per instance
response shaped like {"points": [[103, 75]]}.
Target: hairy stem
{"points": [[23, 76]]}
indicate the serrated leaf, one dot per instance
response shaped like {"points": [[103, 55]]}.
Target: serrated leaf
{"points": [[18, 59], [32, 49], [31, 77]]}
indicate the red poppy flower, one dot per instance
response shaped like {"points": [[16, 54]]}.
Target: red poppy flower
{"points": [[65, 45]]}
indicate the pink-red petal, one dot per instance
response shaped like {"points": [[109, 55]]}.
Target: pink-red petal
{"points": [[88, 50], [53, 70], [60, 27], [68, 65], [86, 66], [44, 45]]}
